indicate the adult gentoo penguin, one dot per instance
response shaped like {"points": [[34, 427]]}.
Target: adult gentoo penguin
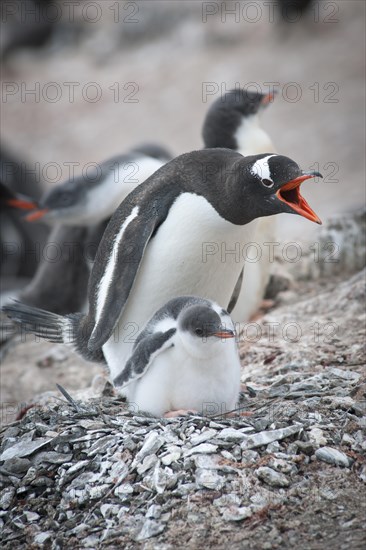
{"points": [[233, 121], [164, 241], [93, 197]]}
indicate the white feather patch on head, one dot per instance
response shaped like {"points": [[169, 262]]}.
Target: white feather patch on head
{"points": [[105, 281], [261, 168]]}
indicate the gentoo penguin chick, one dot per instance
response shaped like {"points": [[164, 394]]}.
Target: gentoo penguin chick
{"points": [[184, 359], [93, 197], [233, 121], [169, 238]]}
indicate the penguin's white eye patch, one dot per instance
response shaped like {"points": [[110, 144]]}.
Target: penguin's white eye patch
{"points": [[261, 170], [267, 183]]}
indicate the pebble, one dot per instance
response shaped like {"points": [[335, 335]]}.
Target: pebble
{"points": [[151, 445], [31, 516], [282, 466], [333, 456], [168, 459], [237, 514], [271, 477], [15, 466], [205, 435], [317, 438], [204, 448], [6, 497], [150, 528], [209, 479], [344, 374], [41, 538], [265, 437], [229, 434], [226, 501], [24, 448]]}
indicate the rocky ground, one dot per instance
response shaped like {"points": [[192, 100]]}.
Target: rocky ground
{"points": [[288, 470]]}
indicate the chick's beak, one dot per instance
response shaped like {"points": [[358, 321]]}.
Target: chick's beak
{"points": [[290, 194], [224, 333]]}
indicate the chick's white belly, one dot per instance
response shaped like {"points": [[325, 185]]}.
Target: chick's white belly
{"points": [[177, 381], [194, 252]]}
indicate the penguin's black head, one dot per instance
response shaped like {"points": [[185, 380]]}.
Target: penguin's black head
{"points": [[270, 184], [226, 115], [202, 322], [247, 102], [59, 200]]}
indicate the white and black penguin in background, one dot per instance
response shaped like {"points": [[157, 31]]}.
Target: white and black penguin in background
{"points": [[92, 198], [234, 121], [79, 211], [158, 245]]}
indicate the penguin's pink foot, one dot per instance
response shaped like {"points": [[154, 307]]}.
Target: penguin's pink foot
{"points": [[179, 412]]}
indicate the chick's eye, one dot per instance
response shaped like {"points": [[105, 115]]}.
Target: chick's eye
{"points": [[267, 183], [199, 332]]}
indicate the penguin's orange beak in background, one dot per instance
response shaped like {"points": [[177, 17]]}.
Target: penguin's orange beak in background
{"points": [[36, 215], [290, 194], [268, 98], [21, 204]]}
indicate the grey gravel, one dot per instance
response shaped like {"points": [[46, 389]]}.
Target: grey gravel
{"points": [[102, 476], [333, 456]]}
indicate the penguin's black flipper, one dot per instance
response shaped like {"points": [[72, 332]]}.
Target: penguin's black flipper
{"points": [[236, 292], [119, 257]]}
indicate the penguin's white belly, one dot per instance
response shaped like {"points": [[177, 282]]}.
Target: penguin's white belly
{"points": [[256, 274], [175, 380], [194, 252]]}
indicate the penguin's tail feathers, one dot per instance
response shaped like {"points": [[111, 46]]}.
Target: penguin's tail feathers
{"points": [[44, 324]]}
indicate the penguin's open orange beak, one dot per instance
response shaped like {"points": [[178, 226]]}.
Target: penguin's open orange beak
{"points": [[36, 215], [290, 195]]}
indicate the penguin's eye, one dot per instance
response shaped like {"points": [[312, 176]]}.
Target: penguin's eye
{"points": [[198, 332], [267, 183]]}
